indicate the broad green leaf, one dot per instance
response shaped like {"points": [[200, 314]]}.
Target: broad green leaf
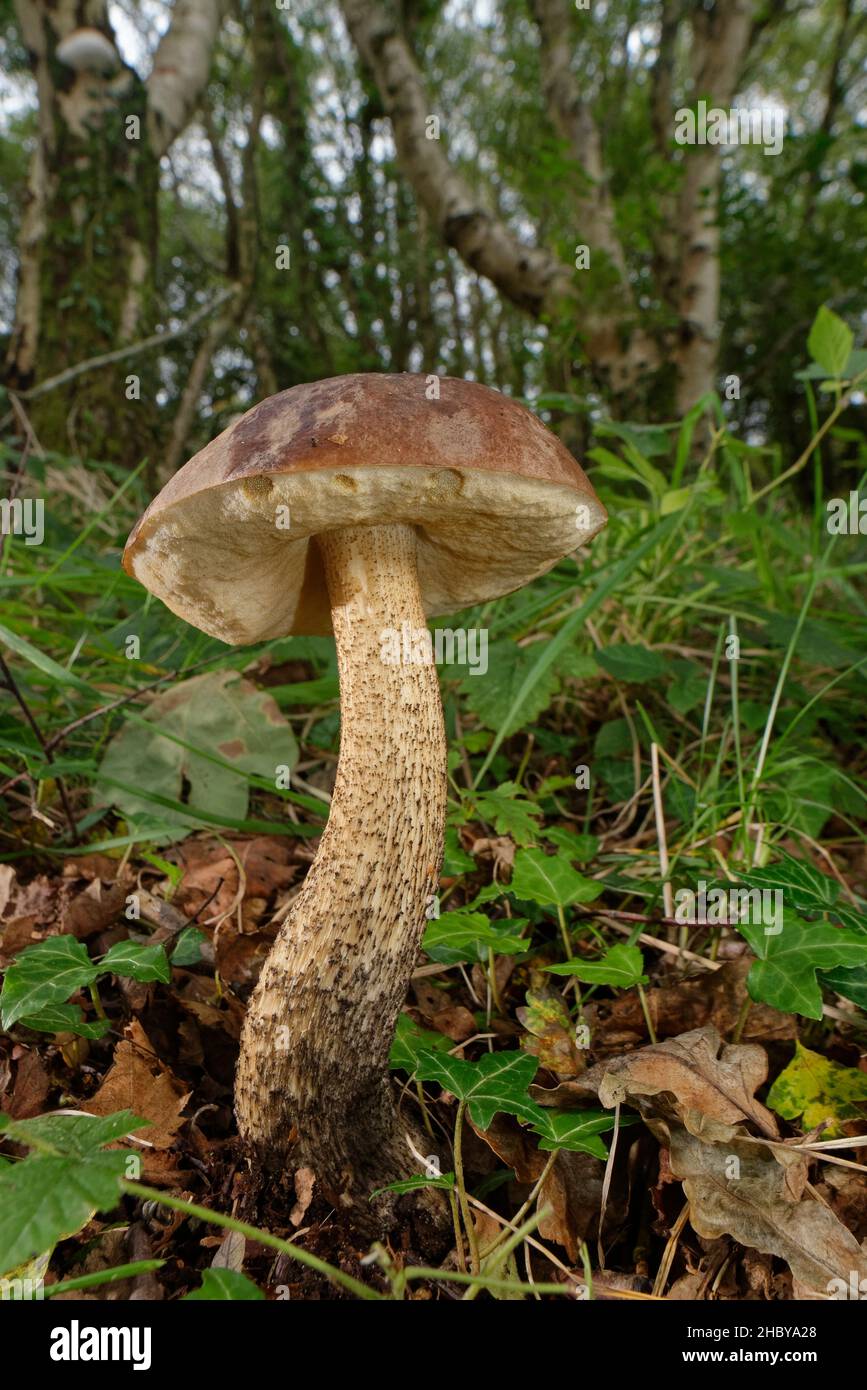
{"points": [[802, 886], [138, 962], [44, 1200], [550, 880], [622, 966], [573, 845], [508, 811], [65, 1018], [575, 1130], [71, 1135], [492, 696], [830, 341], [44, 974], [852, 984], [784, 976], [455, 859], [188, 947], [410, 1039], [459, 936], [632, 662], [225, 1285], [496, 1084], [190, 747], [816, 1089]]}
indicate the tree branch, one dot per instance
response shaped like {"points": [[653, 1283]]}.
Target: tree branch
{"points": [[181, 66], [106, 359], [532, 278]]}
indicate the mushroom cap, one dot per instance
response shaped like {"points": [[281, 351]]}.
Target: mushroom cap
{"points": [[88, 50], [494, 497]]}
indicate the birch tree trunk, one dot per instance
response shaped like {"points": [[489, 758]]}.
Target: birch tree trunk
{"points": [[533, 278], [720, 38], [621, 350], [86, 277]]}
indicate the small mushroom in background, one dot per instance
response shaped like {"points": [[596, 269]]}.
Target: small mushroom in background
{"points": [[88, 50], [360, 506]]}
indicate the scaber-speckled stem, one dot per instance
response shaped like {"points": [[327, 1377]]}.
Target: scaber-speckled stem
{"points": [[313, 1084]]}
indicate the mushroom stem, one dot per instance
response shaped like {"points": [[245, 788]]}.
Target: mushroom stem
{"points": [[314, 1051]]}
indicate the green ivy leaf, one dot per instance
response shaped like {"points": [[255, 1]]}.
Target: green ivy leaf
{"points": [[460, 936], [44, 974], [816, 1089], [496, 1084], [188, 947], [44, 1200], [550, 880], [784, 976], [138, 962], [410, 1039], [71, 1135], [575, 1130], [225, 1286], [65, 1018], [803, 887], [852, 984], [622, 966]]}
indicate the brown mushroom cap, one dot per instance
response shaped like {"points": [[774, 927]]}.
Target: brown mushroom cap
{"points": [[494, 497]]}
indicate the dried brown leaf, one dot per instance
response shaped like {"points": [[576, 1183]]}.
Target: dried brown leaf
{"points": [[741, 1189], [695, 1078]]}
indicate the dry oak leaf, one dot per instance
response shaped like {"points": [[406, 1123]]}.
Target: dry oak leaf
{"points": [[25, 910], [755, 1200], [695, 1078], [32, 1085], [210, 874], [137, 1081]]}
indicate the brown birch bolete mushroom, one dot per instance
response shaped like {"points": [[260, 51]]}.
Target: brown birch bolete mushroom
{"points": [[358, 506]]}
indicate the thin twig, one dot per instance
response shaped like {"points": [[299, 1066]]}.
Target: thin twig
{"points": [[106, 359]]}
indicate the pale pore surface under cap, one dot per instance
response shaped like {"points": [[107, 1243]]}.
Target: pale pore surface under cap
{"points": [[219, 560]]}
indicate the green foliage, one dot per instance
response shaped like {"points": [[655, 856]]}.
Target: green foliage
{"points": [[225, 1285], [67, 1178], [784, 975], [457, 936], [496, 1084], [45, 975], [549, 879], [622, 966]]}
